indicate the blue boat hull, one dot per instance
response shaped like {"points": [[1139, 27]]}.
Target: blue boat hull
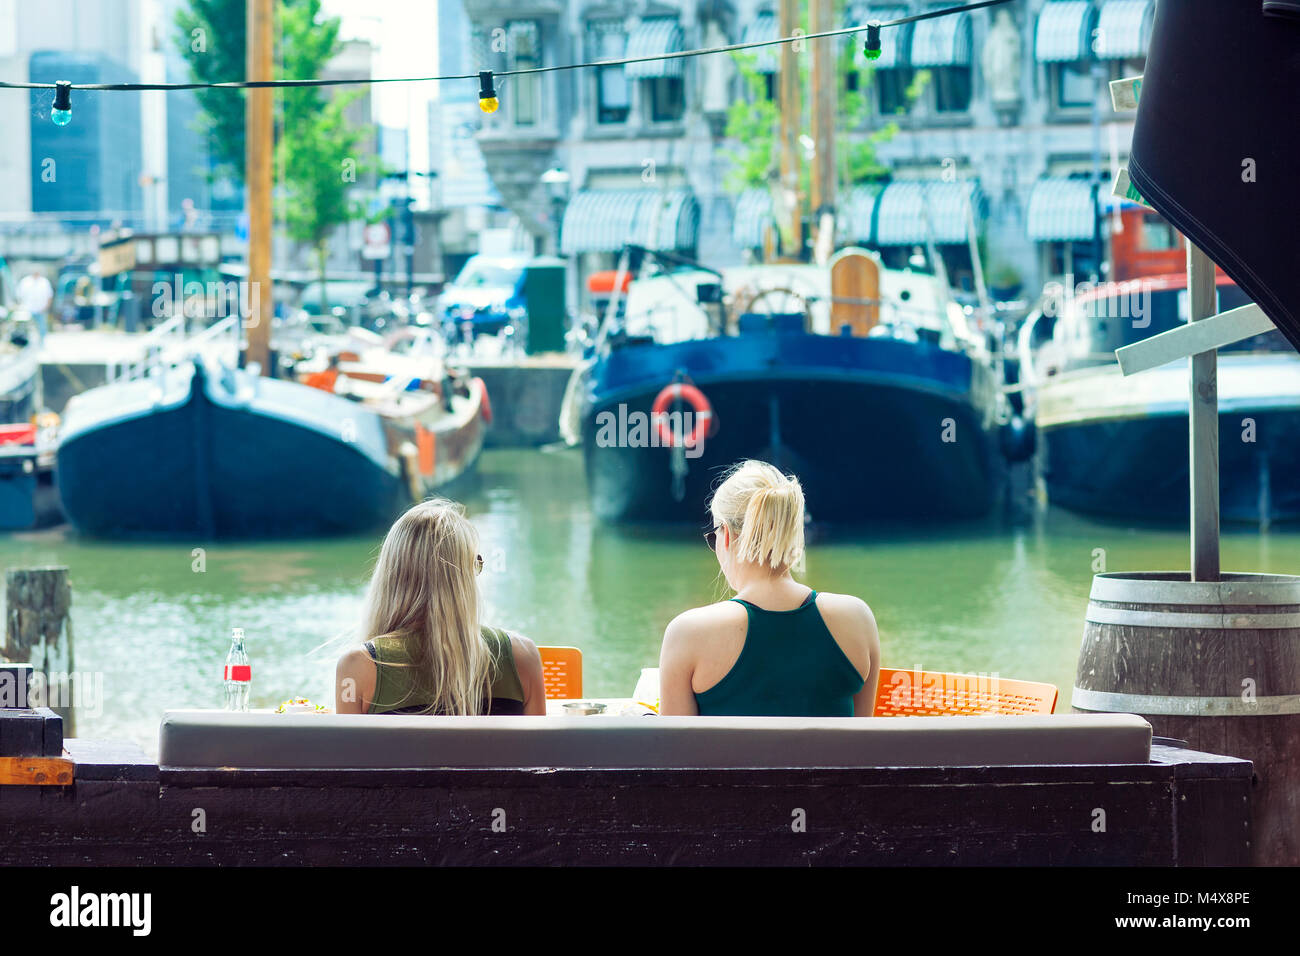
{"points": [[205, 469], [1097, 468], [874, 428]]}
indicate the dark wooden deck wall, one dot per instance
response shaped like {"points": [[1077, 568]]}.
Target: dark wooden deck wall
{"points": [[1184, 808]]}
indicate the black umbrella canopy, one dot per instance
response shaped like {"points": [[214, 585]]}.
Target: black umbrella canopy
{"points": [[1216, 145]]}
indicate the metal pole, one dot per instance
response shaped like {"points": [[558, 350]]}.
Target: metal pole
{"points": [[1203, 424]]}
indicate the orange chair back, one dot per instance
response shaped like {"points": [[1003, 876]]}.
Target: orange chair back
{"points": [[904, 693], [562, 672]]}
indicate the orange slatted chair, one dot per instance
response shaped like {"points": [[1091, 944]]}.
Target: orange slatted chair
{"points": [[562, 672], [904, 693]]}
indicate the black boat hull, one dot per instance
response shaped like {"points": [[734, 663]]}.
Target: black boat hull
{"points": [[1122, 452], [868, 440], [221, 454]]}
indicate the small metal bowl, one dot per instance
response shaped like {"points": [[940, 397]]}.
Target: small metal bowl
{"points": [[583, 708]]}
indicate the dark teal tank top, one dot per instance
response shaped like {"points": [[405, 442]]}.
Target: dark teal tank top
{"points": [[789, 666]]}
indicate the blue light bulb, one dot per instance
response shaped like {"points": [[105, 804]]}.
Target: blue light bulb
{"points": [[61, 111]]}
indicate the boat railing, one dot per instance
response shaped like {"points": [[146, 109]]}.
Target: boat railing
{"points": [[169, 345]]}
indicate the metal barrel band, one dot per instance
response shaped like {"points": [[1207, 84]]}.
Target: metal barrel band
{"points": [[1114, 703], [1234, 588], [1126, 617]]}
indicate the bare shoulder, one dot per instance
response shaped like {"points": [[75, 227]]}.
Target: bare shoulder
{"points": [[846, 604], [704, 620], [354, 660], [523, 648]]}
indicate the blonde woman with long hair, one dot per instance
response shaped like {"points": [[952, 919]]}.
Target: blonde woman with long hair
{"points": [[778, 648], [425, 650]]}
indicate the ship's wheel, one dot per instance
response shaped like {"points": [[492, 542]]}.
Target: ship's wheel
{"points": [[775, 300]]}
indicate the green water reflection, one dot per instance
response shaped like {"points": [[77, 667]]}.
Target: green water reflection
{"points": [[983, 598]]}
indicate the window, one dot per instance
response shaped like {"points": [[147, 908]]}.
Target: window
{"points": [[892, 90], [667, 98], [524, 93], [1075, 86], [607, 40], [1158, 235], [952, 89]]}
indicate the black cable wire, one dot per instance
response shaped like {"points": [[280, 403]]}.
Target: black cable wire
{"points": [[276, 84]]}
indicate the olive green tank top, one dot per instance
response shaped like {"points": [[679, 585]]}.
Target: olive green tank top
{"points": [[396, 690], [789, 666]]}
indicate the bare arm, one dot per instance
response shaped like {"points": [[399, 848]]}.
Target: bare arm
{"points": [[864, 701], [676, 670], [528, 664], [354, 682]]}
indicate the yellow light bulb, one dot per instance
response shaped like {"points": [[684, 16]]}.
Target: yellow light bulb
{"points": [[489, 104]]}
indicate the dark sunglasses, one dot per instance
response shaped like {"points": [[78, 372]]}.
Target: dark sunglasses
{"points": [[478, 564], [711, 538]]}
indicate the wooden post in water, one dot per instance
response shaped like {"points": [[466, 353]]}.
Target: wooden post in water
{"points": [[38, 631], [259, 135]]}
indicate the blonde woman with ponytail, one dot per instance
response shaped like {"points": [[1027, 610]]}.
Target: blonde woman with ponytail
{"points": [[424, 650], [778, 648]]}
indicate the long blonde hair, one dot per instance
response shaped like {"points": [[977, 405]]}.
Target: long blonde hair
{"points": [[423, 591], [763, 509]]}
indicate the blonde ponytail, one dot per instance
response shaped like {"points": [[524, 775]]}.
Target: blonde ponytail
{"points": [[763, 509]]}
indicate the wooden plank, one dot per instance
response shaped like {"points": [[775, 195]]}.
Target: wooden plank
{"points": [[1184, 341], [36, 771]]}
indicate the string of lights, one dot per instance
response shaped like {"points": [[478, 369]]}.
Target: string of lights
{"points": [[61, 111]]}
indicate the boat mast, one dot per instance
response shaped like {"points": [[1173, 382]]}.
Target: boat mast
{"points": [[259, 133], [788, 206], [823, 95]]}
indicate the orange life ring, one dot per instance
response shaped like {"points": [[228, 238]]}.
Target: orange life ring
{"points": [[693, 397], [485, 403]]}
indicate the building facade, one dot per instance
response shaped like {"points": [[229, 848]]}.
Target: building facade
{"points": [[1004, 129]]}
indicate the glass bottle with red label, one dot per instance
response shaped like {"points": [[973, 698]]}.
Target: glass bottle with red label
{"points": [[238, 673]]}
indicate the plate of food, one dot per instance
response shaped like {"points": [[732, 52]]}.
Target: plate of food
{"points": [[301, 705]]}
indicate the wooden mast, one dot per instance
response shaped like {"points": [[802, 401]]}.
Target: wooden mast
{"points": [[823, 96], [259, 135], [789, 214]]}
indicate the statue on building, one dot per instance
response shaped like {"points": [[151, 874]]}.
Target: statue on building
{"points": [[1001, 61]]}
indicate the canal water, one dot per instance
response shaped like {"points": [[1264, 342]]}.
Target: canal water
{"points": [[152, 622]]}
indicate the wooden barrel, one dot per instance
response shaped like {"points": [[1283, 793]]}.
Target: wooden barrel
{"points": [[1215, 664]]}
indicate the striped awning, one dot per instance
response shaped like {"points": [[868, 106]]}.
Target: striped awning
{"points": [[1124, 29], [941, 41], [764, 28], [652, 37], [752, 217], [606, 220], [859, 208], [1064, 32], [894, 41], [905, 208], [1061, 210]]}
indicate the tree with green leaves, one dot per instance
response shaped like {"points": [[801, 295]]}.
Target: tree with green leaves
{"points": [[211, 36], [318, 153], [317, 150]]}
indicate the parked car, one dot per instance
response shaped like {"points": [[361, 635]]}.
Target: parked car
{"points": [[485, 297]]}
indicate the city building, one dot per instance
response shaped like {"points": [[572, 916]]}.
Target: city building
{"points": [[467, 202], [57, 183], [1005, 130]]}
